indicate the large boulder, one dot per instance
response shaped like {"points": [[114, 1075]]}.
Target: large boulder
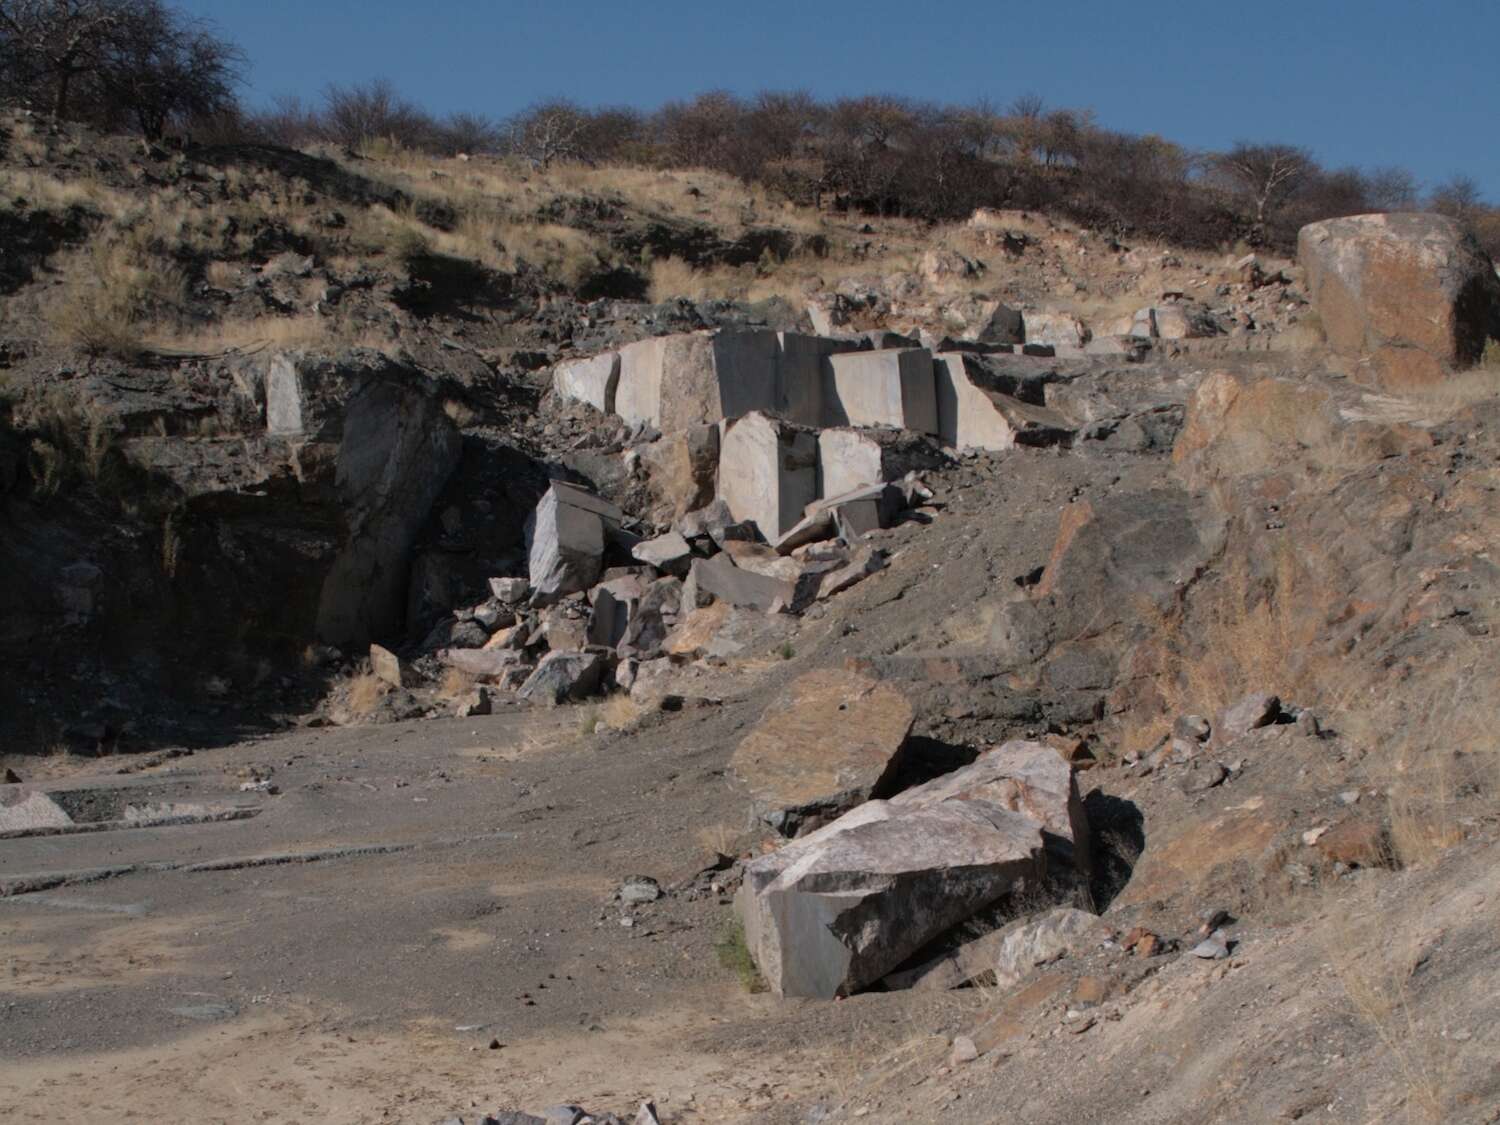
{"points": [[831, 740], [1407, 298], [565, 539], [834, 911], [768, 472], [849, 459], [564, 677]]}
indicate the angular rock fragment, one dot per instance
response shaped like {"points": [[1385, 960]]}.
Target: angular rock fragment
{"points": [[563, 677], [669, 553], [511, 591], [389, 667], [864, 562], [565, 537], [973, 415], [831, 740], [718, 579], [681, 469]]}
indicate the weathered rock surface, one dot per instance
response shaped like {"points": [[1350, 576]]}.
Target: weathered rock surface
{"points": [[1407, 298], [974, 414], [831, 740], [1029, 942]]}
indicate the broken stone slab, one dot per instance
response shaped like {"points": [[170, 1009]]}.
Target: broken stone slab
{"points": [[718, 579], [884, 388], [1029, 942], [834, 911], [829, 741], [565, 541], [837, 909], [768, 472], [564, 677], [858, 510], [669, 553], [973, 962], [390, 668], [564, 625], [590, 381]]}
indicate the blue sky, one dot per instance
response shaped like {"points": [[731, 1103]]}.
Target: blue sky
{"points": [[1363, 82]]}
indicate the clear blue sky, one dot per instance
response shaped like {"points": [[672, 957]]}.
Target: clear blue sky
{"points": [[1363, 82]]}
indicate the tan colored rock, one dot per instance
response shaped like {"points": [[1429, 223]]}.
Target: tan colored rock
{"points": [[389, 667], [831, 740], [1406, 298], [681, 470]]}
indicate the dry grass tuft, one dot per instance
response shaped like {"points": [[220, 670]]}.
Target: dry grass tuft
{"points": [[365, 692], [455, 684]]}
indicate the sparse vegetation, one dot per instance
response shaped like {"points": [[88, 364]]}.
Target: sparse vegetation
{"points": [[734, 955]]}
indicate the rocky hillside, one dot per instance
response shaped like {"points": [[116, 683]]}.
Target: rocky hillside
{"points": [[1055, 670]]}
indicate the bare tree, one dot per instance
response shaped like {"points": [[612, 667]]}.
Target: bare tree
{"points": [[110, 58], [548, 132], [165, 68], [354, 116], [1390, 189], [467, 132], [1459, 198], [56, 43], [1266, 173]]}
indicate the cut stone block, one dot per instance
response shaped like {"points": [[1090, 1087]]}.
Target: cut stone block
{"points": [[834, 911], [768, 472], [801, 375], [608, 618], [886, 388], [590, 381], [849, 459], [831, 740], [674, 382], [565, 540], [974, 416]]}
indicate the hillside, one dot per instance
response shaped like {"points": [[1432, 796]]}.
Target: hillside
{"points": [[441, 595]]}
